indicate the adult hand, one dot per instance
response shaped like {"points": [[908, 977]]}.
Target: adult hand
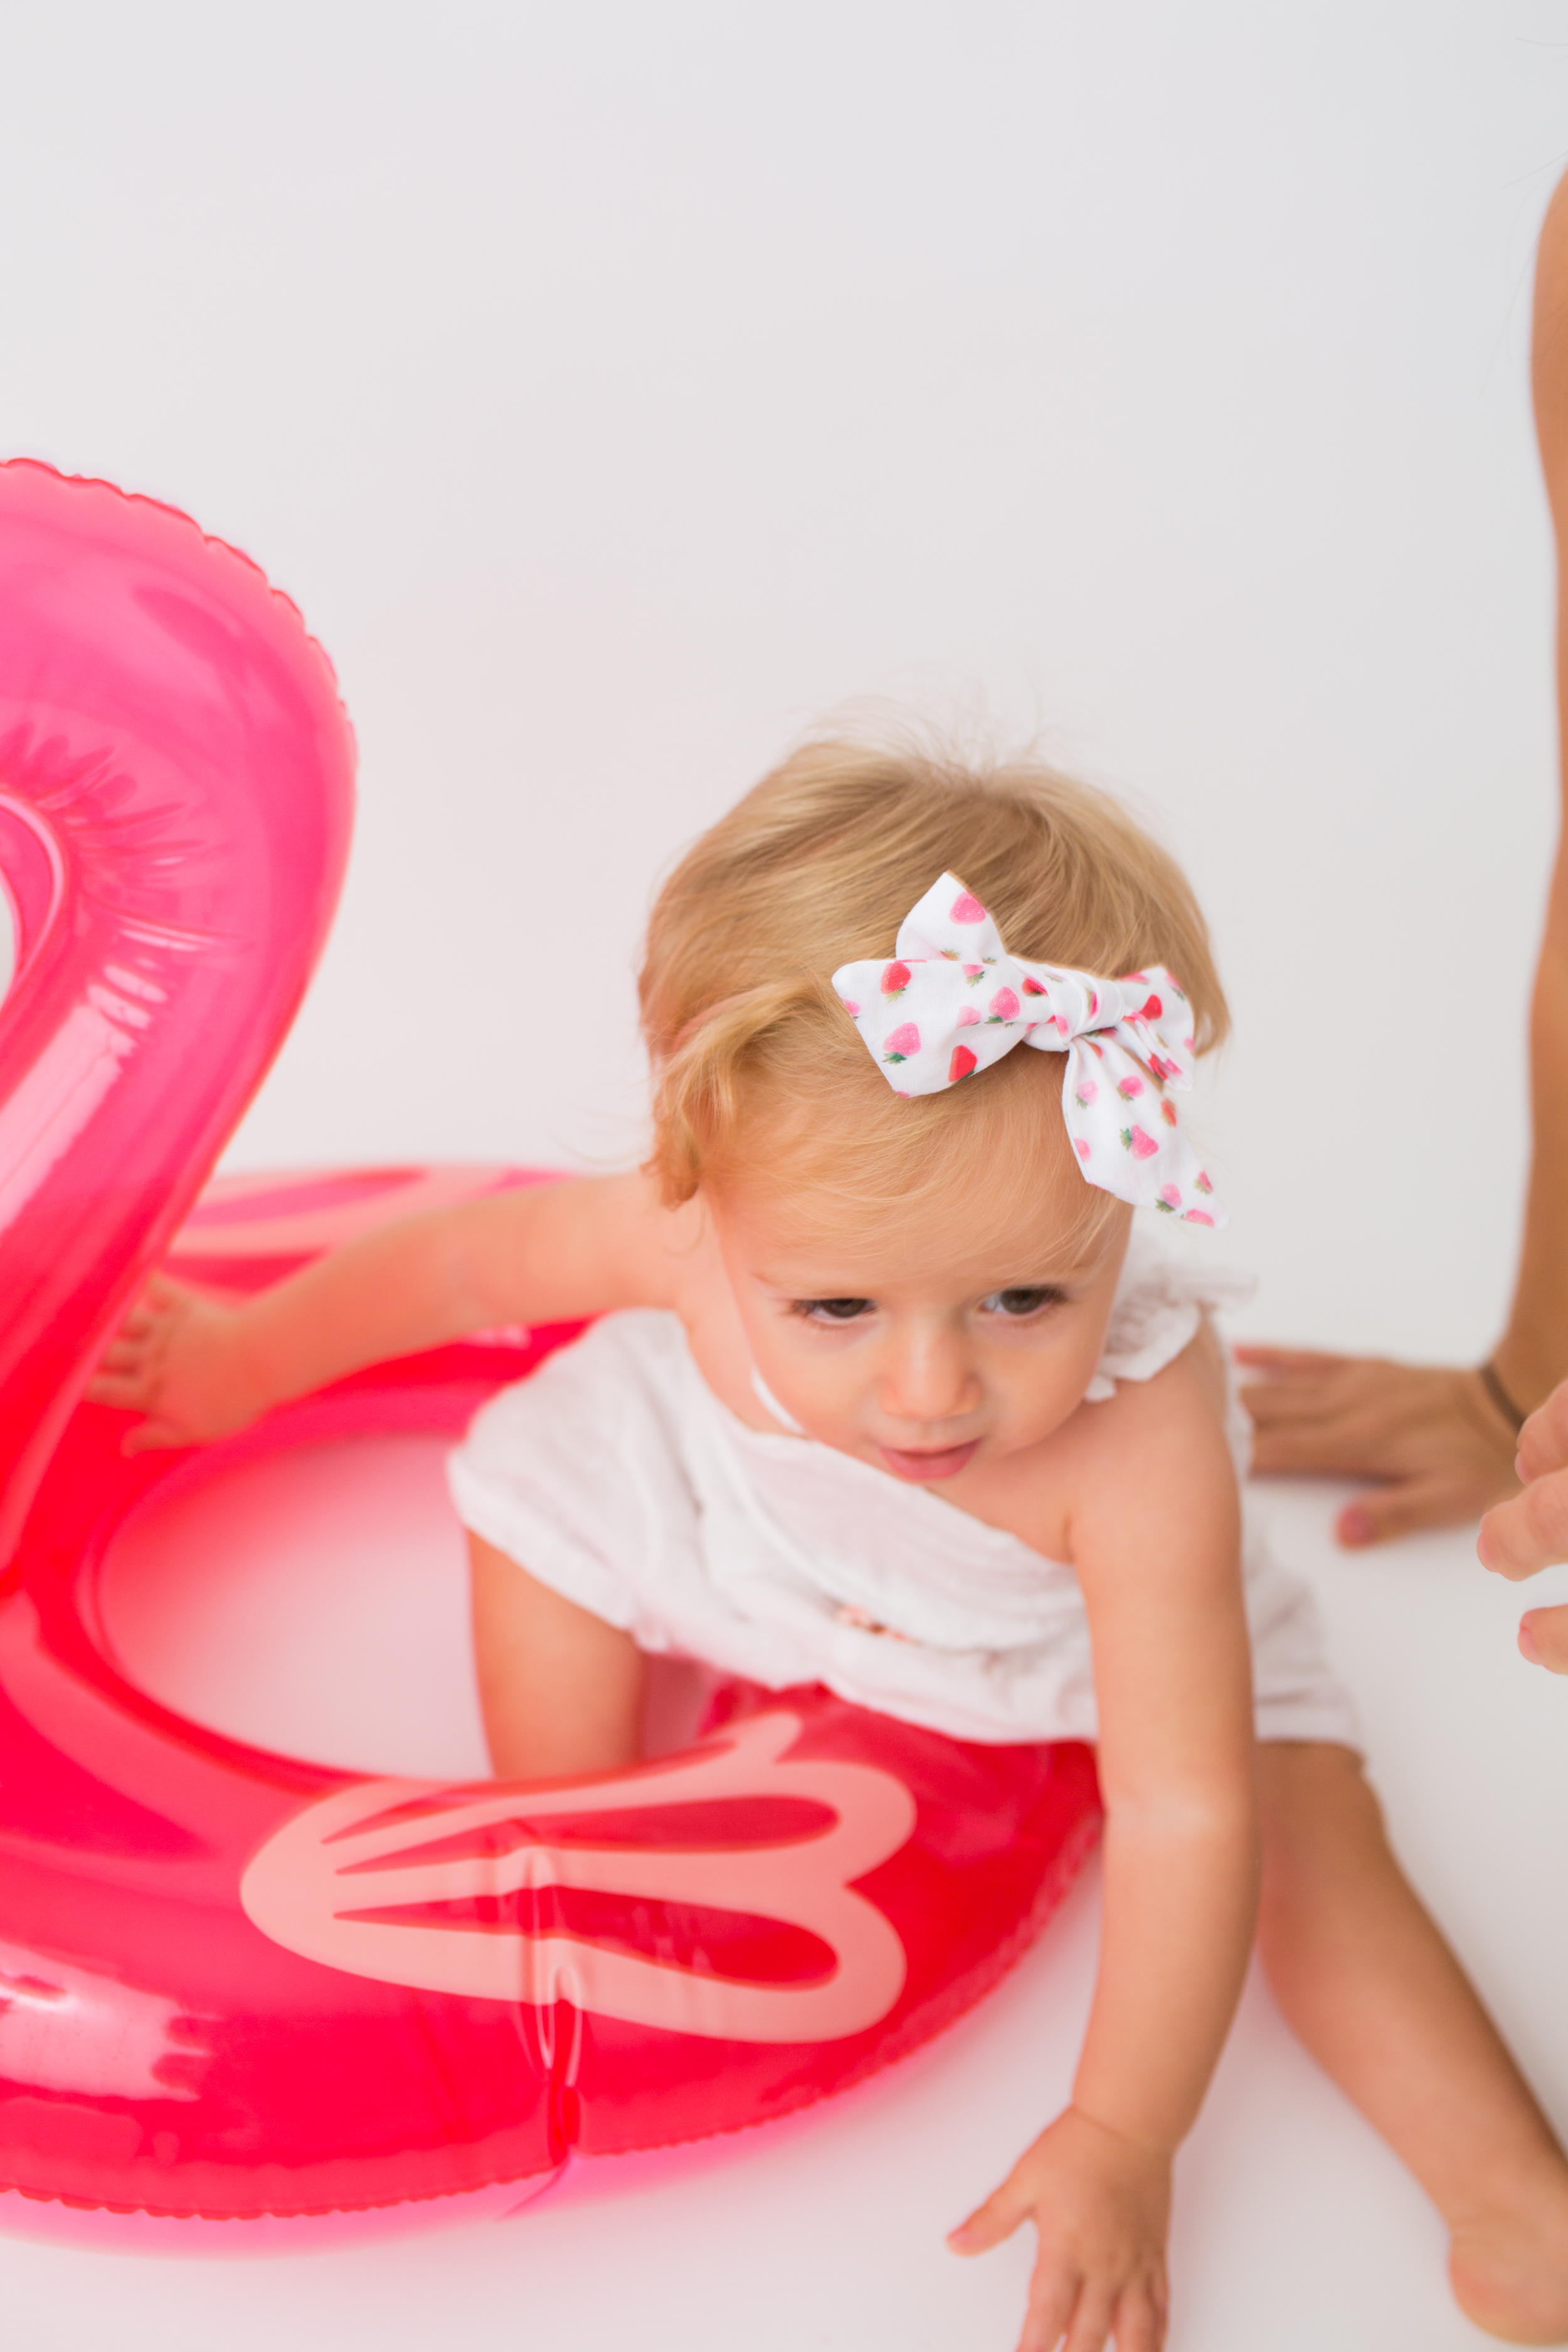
{"points": [[1532, 1531], [1431, 1433]]}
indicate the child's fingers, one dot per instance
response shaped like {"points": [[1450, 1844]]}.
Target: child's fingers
{"points": [[1090, 2328], [1141, 2317], [159, 1303], [153, 1437], [161, 1300], [163, 1290], [123, 1390], [1053, 2299], [141, 1327], [990, 2223], [1543, 1638]]}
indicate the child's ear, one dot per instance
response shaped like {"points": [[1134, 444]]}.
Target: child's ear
{"points": [[693, 1221]]}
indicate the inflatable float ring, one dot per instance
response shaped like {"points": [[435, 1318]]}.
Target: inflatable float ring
{"points": [[242, 1987]]}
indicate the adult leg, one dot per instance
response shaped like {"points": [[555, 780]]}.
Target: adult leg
{"points": [[1367, 1981], [560, 1690], [1435, 1436]]}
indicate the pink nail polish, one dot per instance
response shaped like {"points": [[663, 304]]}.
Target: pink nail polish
{"points": [[1355, 1528]]}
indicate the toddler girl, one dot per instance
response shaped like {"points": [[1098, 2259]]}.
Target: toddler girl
{"points": [[885, 1395]]}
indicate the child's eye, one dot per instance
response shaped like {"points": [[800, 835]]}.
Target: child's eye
{"points": [[830, 1310], [1023, 1301]]}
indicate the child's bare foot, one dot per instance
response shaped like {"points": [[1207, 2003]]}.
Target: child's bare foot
{"points": [[1509, 2266]]}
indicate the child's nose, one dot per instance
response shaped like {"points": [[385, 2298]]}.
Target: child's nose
{"points": [[929, 1377]]}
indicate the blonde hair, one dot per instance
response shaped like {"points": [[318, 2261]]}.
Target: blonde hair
{"points": [[759, 1071]]}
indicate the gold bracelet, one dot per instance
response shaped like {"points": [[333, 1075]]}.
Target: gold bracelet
{"points": [[1499, 1396]]}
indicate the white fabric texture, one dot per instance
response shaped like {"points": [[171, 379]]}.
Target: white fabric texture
{"points": [[615, 1475]]}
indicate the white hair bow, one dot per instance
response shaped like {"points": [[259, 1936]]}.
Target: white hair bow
{"points": [[953, 1000]]}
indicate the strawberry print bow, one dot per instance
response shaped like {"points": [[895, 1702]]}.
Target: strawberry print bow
{"points": [[953, 1000]]}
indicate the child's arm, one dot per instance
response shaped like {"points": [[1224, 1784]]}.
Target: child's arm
{"points": [[1156, 1546], [541, 1254]]}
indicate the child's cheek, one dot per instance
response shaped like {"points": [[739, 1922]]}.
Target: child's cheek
{"points": [[830, 1396], [1038, 1391], [824, 1388]]}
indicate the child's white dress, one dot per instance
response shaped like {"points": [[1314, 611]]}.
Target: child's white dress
{"points": [[616, 1476]]}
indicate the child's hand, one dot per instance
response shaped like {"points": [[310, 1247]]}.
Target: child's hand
{"points": [[177, 1359], [1101, 2205]]}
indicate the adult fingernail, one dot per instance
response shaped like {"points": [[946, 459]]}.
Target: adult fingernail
{"points": [[1527, 1641], [1355, 1528]]}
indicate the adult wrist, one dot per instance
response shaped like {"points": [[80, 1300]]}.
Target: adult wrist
{"points": [[1528, 1367], [1501, 1397]]}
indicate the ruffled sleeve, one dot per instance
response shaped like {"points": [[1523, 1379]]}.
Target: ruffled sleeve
{"points": [[1160, 1302]]}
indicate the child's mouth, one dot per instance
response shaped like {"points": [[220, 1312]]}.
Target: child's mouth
{"points": [[945, 1463]]}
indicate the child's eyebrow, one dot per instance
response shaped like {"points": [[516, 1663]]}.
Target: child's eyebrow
{"points": [[788, 1289], [1056, 1278], [984, 1287]]}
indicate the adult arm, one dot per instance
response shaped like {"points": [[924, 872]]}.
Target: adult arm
{"points": [[1440, 1438]]}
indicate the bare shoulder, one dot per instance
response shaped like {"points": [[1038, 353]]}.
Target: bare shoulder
{"points": [[1152, 1473]]}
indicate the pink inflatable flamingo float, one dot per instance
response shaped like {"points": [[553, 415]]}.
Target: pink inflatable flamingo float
{"points": [[242, 1987]]}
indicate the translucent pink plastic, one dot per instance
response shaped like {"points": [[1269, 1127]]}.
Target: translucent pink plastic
{"points": [[240, 1990]]}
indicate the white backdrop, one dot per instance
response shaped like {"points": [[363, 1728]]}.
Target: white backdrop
{"points": [[621, 388]]}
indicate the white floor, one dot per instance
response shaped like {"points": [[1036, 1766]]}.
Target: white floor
{"points": [[1295, 2230]]}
